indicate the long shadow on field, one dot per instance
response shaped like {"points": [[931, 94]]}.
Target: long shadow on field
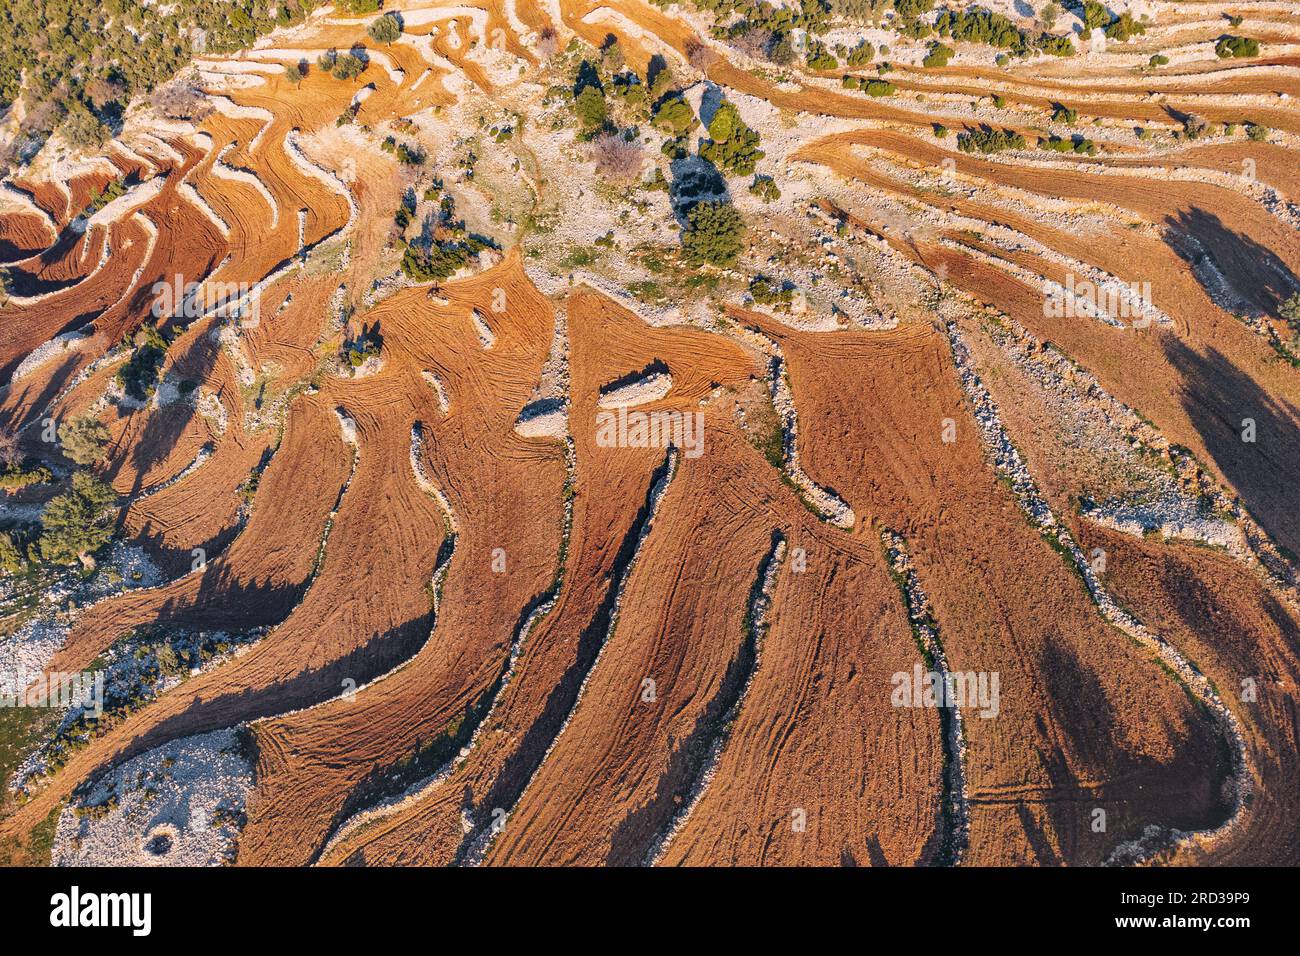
{"points": [[1090, 730], [175, 559], [164, 426], [1254, 271], [376, 656], [30, 283], [1253, 437], [225, 603], [636, 833], [526, 758], [52, 387]]}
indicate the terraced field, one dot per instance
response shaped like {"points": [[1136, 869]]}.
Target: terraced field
{"points": [[577, 433]]}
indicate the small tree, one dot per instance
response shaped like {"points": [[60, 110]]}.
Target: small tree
{"points": [[1094, 16], [700, 56], [782, 51], [385, 29], [590, 107], [1230, 46], [675, 116], [611, 57], [295, 73], [84, 439], [715, 234], [1290, 310], [1050, 14], [938, 55], [1194, 127], [168, 660], [732, 145], [548, 43], [78, 522], [9, 453], [11, 556], [617, 158], [83, 128], [765, 188], [348, 67]]}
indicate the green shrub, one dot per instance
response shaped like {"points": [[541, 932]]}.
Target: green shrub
{"points": [[715, 234], [79, 522], [1230, 46], [861, 55], [675, 115], [114, 189], [16, 477], [731, 145], [938, 55], [1077, 145], [1056, 46], [385, 29], [819, 58], [12, 560], [1124, 28], [139, 376], [1094, 15], [589, 105], [771, 292], [1064, 114], [84, 439], [1290, 311], [987, 140], [765, 188]]}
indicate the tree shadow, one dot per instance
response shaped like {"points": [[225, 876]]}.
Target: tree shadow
{"points": [[165, 425], [694, 179], [308, 688], [55, 384], [1255, 273], [1227, 407]]}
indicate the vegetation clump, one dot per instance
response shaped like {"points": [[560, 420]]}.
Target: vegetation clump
{"points": [[114, 189], [987, 140], [78, 522], [715, 234], [765, 188], [938, 55], [674, 115], [731, 144], [1123, 28], [772, 292], [385, 29], [443, 248], [84, 439], [348, 66], [1076, 144], [365, 346], [139, 376], [406, 154], [1229, 47], [872, 87]]}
